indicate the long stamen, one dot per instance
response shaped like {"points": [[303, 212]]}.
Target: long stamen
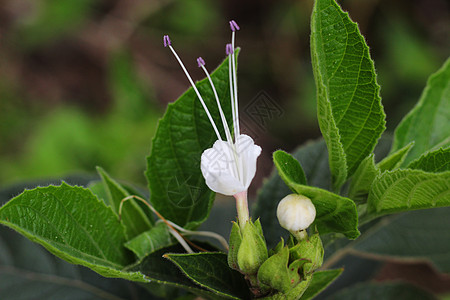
{"points": [[229, 50], [234, 27], [168, 43], [201, 64]]}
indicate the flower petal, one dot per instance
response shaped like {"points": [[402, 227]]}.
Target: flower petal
{"points": [[219, 169], [229, 169], [248, 153]]}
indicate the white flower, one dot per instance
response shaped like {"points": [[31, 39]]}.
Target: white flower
{"points": [[230, 165], [296, 212]]}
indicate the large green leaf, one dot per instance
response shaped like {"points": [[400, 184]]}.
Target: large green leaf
{"points": [[133, 217], [404, 190], [385, 291], [211, 271], [350, 113], [334, 213], [320, 280], [412, 236], [28, 271], [178, 189], [74, 225], [428, 123]]}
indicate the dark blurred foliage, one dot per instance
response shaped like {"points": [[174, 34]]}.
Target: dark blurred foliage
{"points": [[83, 82]]}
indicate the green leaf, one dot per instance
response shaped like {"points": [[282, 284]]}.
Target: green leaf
{"points": [[74, 225], [133, 217], [211, 271], [386, 291], [427, 124], [334, 213], [412, 236], [28, 271], [147, 242], [178, 189], [394, 160], [404, 190], [320, 280], [435, 161], [290, 168], [350, 113]]}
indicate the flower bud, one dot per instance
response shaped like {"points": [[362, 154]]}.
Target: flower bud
{"points": [[296, 212]]}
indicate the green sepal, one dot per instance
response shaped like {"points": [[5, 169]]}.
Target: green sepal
{"points": [[234, 244], [253, 249], [310, 249], [277, 248], [276, 273]]}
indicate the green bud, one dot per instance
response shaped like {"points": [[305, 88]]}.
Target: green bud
{"points": [[252, 250], [234, 244], [311, 250]]}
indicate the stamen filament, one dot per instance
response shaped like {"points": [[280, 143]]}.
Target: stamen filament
{"points": [[235, 85], [217, 236], [196, 90], [230, 50], [201, 64], [181, 240], [222, 115]]}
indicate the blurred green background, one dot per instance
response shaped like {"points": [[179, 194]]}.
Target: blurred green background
{"points": [[84, 82]]}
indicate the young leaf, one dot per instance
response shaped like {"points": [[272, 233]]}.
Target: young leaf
{"points": [[74, 225], [350, 113], [427, 124], [211, 271], [368, 171], [362, 179], [395, 159], [289, 168], [435, 161], [334, 213], [147, 242], [320, 280], [404, 190], [133, 217], [178, 190]]}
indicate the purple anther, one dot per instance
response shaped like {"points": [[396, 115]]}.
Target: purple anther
{"points": [[234, 26], [200, 62], [229, 49], [167, 41]]}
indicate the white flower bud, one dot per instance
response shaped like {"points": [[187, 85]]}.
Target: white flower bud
{"points": [[296, 212]]}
